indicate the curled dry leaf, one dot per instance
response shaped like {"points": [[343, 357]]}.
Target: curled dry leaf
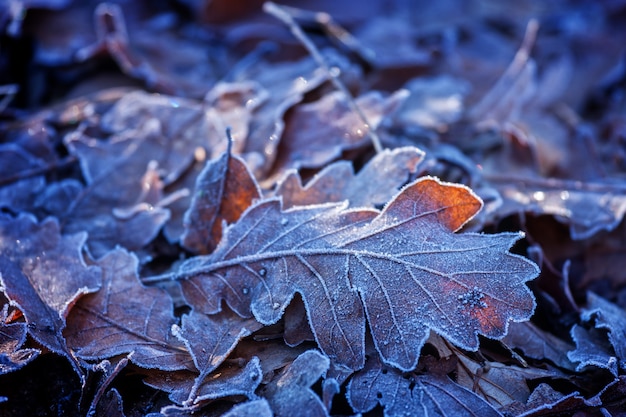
{"points": [[587, 208], [403, 267], [43, 273], [498, 384], [125, 317], [375, 184]]}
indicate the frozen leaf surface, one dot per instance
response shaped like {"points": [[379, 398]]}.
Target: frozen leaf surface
{"points": [[373, 185], [125, 317], [414, 395], [43, 274], [403, 267]]}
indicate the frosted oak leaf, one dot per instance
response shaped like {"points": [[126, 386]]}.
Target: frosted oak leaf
{"points": [[402, 269]]}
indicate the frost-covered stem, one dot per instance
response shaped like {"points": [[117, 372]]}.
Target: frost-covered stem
{"points": [[279, 13]]}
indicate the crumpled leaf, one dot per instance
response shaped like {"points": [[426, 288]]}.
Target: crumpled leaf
{"points": [[403, 267], [317, 133], [415, 395], [231, 380], [125, 317], [290, 394], [210, 339], [12, 336], [43, 273], [589, 344], [592, 349], [224, 189], [373, 185]]}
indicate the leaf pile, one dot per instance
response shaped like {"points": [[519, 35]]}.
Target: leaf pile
{"points": [[215, 209]]}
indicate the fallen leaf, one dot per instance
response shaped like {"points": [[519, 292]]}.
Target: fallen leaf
{"points": [[372, 186], [591, 350], [43, 274], [12, 337], [231, 380], [286, 84], [18, 189], [608, 316], [538, 344], [404, 265], [317, 133], [587, 208], [290, 394], [273, 354], [125, 317], [403, 394], [224, 190], [119, 205], [498, 384], [545, 401], [210, 339]]}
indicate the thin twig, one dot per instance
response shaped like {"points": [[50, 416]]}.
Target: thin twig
{"points": [[38, 171], [513, 71], [279, 13]]}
